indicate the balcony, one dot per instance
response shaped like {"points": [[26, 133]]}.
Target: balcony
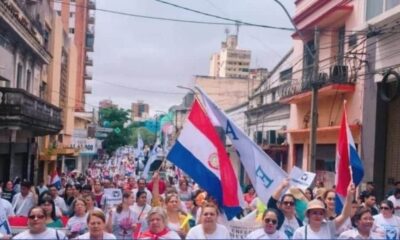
{"points": [[88, 76], [12, 15], [88, 89], [22, 110], [337, 81], [89, 41], [91, 19], [89, 61], [92, 5], [321, 13]]}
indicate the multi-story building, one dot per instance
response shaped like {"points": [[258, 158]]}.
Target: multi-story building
{"points": [[266, 116], [230, 62], [26, 112], [107, 103], [340, 77], [139, 111], [381, 112], [61, 92], [78, 17]]}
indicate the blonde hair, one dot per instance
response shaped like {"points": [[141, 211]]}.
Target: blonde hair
{"points": [[96, 213]]}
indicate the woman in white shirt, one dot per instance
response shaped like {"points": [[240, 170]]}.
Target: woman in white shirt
{"points": [[122, 221], [269, 230], [363, 221], [386, 223], [141, 209], [77, 225], [317, 227], [209, 228], [157, 221], [37, 227], [96, 222]]}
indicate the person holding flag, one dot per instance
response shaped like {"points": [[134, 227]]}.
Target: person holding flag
{"points": [[200, 153], [320, 228]]}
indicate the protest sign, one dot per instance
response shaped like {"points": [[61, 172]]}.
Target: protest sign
{"points": [[113, 196], [301, 179]]}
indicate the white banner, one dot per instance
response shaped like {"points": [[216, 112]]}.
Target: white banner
{"points": [[113, 196], [301, 179], [239, 229]]}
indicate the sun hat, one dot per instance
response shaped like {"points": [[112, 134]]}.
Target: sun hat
{"points": [[315, 204]]}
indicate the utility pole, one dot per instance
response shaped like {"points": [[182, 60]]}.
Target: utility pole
{"points": [[314, 103]]}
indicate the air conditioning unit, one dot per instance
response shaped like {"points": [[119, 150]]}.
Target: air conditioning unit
{"points": [[339, 74]]}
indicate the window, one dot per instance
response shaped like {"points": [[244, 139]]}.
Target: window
{"points": [[286, 74], [28, 80], [72, 30], [376, 7], [273, 96], [308, 60], [19, 76]]}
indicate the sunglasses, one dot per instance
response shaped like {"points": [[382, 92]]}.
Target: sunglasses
{"points": [[384, 208], [33, 217], [288, 203], [271, 221]]}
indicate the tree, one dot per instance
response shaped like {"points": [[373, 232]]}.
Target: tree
{"points": [[147, 136], [116, 119]]}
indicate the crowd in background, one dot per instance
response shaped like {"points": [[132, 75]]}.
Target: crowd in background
{"points": [[169, 205]]}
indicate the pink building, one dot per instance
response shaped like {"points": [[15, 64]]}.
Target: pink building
{"points": [[341, 77]]}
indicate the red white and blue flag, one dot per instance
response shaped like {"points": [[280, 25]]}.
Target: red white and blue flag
{"points": [[348, 163], [55, 179], [201, 154]]}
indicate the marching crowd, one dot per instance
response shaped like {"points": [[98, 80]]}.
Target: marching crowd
{"points": [[173, 207]]}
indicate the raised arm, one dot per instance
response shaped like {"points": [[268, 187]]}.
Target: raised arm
{"points": [[346, 211]]}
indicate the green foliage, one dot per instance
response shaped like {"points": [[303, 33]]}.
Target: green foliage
{"points": [[115, 118], [148, 137]]}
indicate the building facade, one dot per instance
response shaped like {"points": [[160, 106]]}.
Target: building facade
{"points": [[381, 113], [266, 116], [78, 18], [339, 77], [230, 62], [139, 111], [26, 111]]}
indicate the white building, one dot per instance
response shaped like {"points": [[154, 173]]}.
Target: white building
{"points": [[230, 62]]}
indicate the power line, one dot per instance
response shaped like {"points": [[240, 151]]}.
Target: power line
{"points": [[143, 16], [225, 18], [139, 89]]}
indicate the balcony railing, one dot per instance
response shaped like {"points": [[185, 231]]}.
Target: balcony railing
{"points": [[88, 76], [22, 110], [92, 5], [88, 61], [88, 89], [338, 75]]}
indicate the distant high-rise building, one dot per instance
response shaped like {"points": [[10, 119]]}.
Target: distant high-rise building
{"points": [[230, 62], [140, 110], [78, 18], [107, 103]]}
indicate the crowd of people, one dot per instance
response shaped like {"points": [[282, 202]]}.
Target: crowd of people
{"points": [[172, 206]]}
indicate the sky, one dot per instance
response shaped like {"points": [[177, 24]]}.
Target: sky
{"points": [[143, 59]]}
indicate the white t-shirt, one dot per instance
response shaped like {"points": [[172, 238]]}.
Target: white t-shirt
{"points": [[353, 234], [141, 214], [122, 223], [261, 234], [60, 203], [49, 233], [289, 226], [327, 231], [396, 205], [22, 205], [77, 224], [388, 227], [221, 232], [106, 236]]}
